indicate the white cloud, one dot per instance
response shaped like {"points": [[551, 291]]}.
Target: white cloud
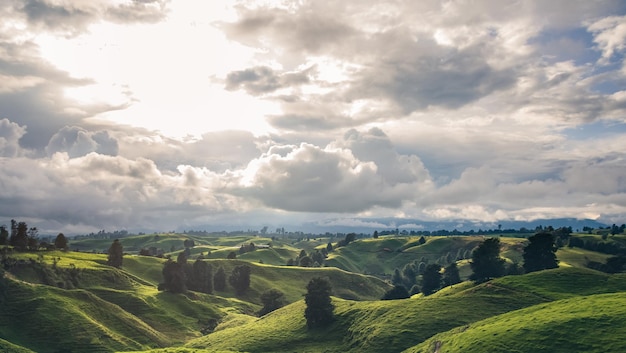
{"points": [[171, 113], [610, 36], [10, 135]]}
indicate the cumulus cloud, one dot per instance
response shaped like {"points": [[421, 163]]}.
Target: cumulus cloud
{"points": [[104, 191], [351, 175], [10, 135], [78, 142]]}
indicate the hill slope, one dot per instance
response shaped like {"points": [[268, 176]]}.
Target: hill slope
{"points": [[595, 323], [393, 326]]}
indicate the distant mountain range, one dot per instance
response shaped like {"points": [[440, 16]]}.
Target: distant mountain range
{"points": [[369, 225]]}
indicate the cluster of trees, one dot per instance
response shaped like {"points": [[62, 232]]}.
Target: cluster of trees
{"points": [[314, 259], [486, 264], [539, 254], [23, 238], [606, 246], [432, 279], [180, 276]]}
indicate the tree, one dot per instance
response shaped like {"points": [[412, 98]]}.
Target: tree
{"points": [[116, 254], [319, 307], [329, 247], [32, 238], [451, 275], [174, 277], [231, 255], [540, 253], [486, 262], [397, 292], [306, 261], [375, 234], [272, 299], [201, 279], [431, 279], [60, 242], [397, 278], [19, 235], [239, 279], [219, 280], [4, 235]]}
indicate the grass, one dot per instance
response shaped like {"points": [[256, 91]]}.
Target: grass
{"points": [[372, 326], [121, 310], [595, 323]]}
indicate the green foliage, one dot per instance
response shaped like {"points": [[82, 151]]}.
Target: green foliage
{"points": [[19, 235], [397, 292], [4, 235], [319, 307], [116, 254], [272, 299], [239, 279], [201, 279], [219, 280], [451, 275], [431, 279], [540, 253], [486, 261], [60, 242], [174, 277]]}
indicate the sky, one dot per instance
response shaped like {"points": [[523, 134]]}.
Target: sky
{"points": [[168, 115]]}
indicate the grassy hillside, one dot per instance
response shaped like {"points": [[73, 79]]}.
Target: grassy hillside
{"points": [[595, 323], [393, 326], [73, 299], [383, 255], [367, 326], [121, 309]]}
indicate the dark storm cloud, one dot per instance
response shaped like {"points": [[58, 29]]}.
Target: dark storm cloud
{"points": [[261, 80]]}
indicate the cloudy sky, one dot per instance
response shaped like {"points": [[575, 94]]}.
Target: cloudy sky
{"points": [[161, 115]]}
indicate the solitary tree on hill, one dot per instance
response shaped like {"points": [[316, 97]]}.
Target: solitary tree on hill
{"points": [[60, 242], [540, 253], [319, 307], [486, 262], [116, 254]]}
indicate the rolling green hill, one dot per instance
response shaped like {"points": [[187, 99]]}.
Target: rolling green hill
{"points": [[383, 255], [73, 299], [393, 326], [595, 323], [108, 309]]}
